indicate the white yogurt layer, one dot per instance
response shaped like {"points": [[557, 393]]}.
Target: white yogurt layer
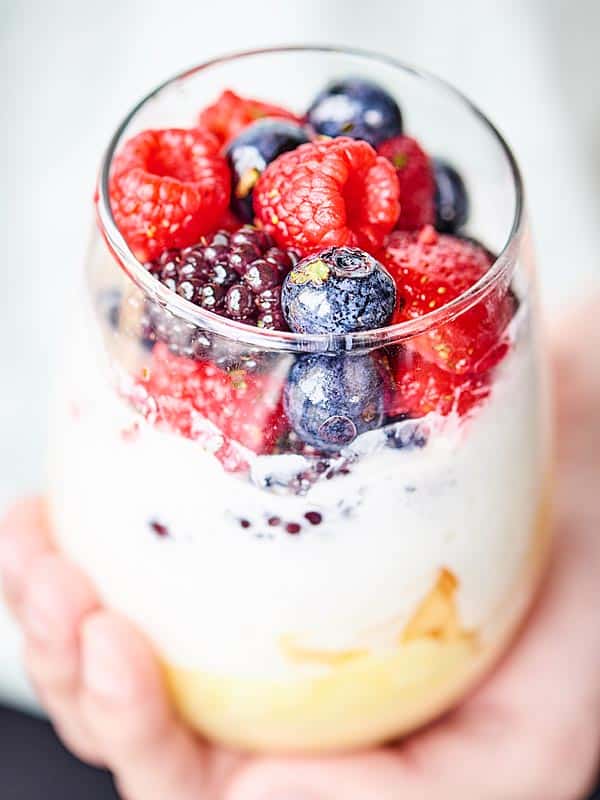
{"points": [[220, 597]]}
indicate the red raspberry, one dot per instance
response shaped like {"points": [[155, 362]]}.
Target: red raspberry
{"points": [[415, 176], [230, 114], [229, 222], [430, 269], [167, 188], [421, 387], [246, 408], [335, 192]]}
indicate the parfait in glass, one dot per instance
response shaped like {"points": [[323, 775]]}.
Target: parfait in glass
{"points": [[301, 438]]}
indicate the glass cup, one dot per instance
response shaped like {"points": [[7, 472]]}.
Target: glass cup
{"points": [[303, 599]]}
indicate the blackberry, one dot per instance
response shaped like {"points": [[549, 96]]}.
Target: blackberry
{"points": [[261, 275], [239, 302], [237, 275]]}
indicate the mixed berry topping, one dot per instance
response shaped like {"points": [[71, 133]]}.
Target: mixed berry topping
{"points": [[356, 108], [249, 153], [330, 221], [339, 290]]}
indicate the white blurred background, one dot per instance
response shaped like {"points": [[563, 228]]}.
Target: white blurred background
{"points": [[71, 69]]}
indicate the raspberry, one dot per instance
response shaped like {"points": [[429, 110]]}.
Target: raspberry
{"points": [[336, 192], [415, 176], [168, 187], [230, 114], [430, 269], [229, 222], [421, 388], [458, 262], [245, 408]]}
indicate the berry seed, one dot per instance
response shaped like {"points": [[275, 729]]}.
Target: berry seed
{"points": [[293, 527], [314, 517], [158, 528]]}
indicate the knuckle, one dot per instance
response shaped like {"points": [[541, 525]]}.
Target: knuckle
{"points": [[52, 676]]}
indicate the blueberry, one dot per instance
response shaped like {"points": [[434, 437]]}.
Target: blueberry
{"points": [[330, 400], [451, 198], [339, 290], [356, 108], [250, 152]]}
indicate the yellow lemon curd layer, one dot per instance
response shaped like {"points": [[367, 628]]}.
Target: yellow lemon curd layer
{"points": [[363, 697]]}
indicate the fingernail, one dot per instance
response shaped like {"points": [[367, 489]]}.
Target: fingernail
{"points": [[105, 672]]}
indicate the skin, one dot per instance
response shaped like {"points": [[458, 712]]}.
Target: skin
{"points": [[531, 731]]}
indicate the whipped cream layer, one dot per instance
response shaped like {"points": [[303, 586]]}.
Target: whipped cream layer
{"points": [[228, 599]]}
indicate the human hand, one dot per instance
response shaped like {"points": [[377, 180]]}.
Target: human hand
{"points": [[531, 732]]}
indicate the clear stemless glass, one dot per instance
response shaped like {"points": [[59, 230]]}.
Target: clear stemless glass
{"points": [[303, 600]]}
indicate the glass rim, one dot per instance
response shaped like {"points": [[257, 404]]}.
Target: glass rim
{"points": [[287, 340]]}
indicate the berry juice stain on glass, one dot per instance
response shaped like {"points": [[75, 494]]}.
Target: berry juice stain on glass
{"points": [[310, 458]]}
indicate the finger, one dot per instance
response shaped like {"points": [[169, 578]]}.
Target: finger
{"points": [[24, 536], [379, 775], [56, 600], [63, 709], [152, 755]]}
